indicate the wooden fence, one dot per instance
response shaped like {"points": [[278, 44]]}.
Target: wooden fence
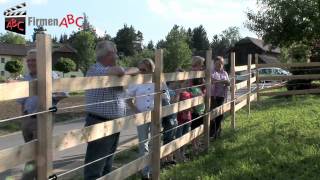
{"points": [[42, 149]]}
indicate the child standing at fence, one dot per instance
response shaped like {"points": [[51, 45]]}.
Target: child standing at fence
{"points": [[219, 90], [184, 118], [143, 103], [198, 111]]}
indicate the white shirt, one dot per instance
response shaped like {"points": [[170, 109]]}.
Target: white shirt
{"points": [[144, 103]]}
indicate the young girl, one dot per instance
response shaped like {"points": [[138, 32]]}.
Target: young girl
{"points": [[219, 90]]}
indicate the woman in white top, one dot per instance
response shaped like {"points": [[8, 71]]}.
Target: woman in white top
{"points": [[142, 104]]}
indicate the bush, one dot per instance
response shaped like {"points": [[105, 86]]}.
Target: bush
{"points": [[65, 65], [14, 66]]}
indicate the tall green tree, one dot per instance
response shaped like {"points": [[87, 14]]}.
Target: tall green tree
{"points": [[150, 45], [12, 38], [189, 38], [177, 52], [222, 42], [199, 39], [37, 30], [285, 22], [128, 41], [84, 43], [161, 44]]}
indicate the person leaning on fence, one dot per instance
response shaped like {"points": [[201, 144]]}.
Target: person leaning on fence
{"points": [[100, 112], [198, 111], [142, 104], [30, 105], [219, 92]]}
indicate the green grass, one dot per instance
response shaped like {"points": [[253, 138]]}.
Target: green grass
{"points": [[279, 140]]}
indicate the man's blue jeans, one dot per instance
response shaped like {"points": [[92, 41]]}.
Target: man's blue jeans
{"points": [[98, 149]]}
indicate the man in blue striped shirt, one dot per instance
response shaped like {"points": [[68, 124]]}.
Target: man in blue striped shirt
{"points": [[106, 53]]}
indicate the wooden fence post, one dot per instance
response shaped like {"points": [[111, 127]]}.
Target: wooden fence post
{"points": [[249, 82], [207, 118], [256, 58], [44, 121], [156, 116], [232, 88]]}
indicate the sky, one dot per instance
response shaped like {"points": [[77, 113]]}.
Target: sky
{"points": [[154, 18]]}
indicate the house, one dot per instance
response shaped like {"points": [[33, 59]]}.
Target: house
{"points": [[9, 52], [266, 52]]}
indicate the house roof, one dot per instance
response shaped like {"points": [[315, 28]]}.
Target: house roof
{"points": [[260, 44], [13, 49], [268, 59], [21, 49]]}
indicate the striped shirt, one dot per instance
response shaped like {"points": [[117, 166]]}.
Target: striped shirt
{"points": [[108, 110]]}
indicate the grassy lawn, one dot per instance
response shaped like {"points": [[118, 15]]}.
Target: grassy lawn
{"points": [[279, 140]]}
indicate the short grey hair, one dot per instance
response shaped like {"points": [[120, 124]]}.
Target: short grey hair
{"points": [[32, 54], [103, 48]]}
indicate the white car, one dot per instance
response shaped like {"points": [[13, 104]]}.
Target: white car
{"points": [[273, 71]]}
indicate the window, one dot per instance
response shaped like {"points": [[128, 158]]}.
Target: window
{"points": [[2, 73], [2, 60]]}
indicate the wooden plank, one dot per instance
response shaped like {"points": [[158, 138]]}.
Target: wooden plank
{"points": [[14, 156], [44, 121], [256, 58], [16, 90], [221, 110], [156, 116], [207, 118], [243, 103], [178, 76], [241, 85], [240, 68], [282, 65], [249, 83], [182, 105], [87, 134], [278, 86], [128, 169], [233, 91], [84, 83], [240, 105], [292, 77], [90, 133], [253, 80], [294, 92], [253, 66], [183, 140]]}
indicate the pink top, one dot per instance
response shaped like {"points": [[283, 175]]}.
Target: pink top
{"points": [[219, 89]]}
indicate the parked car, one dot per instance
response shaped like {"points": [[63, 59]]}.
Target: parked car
{"points": [[273, 71]]}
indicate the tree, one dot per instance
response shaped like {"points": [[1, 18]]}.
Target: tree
{"points": [[150, 45], [177, 52], [161, 44], [189, 38], [132, 61], [63, 38], [12, 38], [37, 30], [128, 41], [65, 65], [221, 43], [285, 22], [199, 39], [14, 67], [84, 43]]}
